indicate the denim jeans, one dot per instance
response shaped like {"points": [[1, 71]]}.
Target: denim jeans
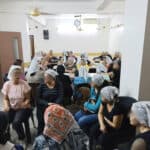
{"points": [[85, 119]]}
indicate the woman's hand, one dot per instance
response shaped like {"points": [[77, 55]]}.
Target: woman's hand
{"points": [[92, 84], [24, 104], [103, 128], [49, 104], [111, 74], [106, 119], [117, 121], [85, 110], [7, 108], [6, 103]]}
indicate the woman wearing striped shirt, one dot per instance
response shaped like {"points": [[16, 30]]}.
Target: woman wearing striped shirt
{"points": [[51, 91]]}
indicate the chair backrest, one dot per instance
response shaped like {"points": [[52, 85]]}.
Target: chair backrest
{"points": [[127, 102], [5, 77], [85, 91]]}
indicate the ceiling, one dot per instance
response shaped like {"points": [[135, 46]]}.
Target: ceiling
{"points": [[100, 7], [50, 0]]}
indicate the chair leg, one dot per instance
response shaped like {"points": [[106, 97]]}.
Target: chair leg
{"points": [[27, 131], [32, 118]]}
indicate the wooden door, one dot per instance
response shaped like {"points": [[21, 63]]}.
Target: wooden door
{"points": [[10, 50], [32, 46]]}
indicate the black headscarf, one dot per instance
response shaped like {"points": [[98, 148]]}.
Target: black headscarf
{"points": [[60, 69]]}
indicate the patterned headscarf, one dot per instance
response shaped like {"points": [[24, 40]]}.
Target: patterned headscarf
{"points": [[142, 112], [109, 92], [58, 122]]}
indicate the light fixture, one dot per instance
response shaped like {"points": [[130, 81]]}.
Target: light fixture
{"points": [[35, 12]]}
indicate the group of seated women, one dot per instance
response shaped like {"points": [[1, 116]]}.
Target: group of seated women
{"points": [[101, 123]]}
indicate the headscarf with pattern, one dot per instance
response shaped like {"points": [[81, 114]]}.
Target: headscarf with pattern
{"points": [[58, 122]]}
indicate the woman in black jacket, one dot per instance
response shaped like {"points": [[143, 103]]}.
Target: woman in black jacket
{"points": [[115, 73], [66, 82], [51, 91]]}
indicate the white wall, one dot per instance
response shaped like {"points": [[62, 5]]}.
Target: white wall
{"points": [[133, 43], [74, 41], [17, 23], [115, 36]]}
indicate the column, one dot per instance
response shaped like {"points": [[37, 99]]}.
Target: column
{"points": [[135, 73]]}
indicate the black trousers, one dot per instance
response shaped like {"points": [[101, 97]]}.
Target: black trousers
{"points": [[109, 140], [17, 117], [94, 133], [40, 118], [33, 93]]}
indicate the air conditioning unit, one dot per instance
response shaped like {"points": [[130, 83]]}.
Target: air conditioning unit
{"points": [[90, 21]]}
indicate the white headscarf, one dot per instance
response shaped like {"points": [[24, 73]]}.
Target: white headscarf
{"points": [[84, 55], [71, 60], [109, 92], [98, 79], [52, 73], [142, 112], [101, 68], [34, 66], [108, 60], [11, 69]]}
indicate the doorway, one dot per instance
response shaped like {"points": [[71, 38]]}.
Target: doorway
{"points": [[10, 50]]}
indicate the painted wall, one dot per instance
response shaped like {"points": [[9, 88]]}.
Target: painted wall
{"points": [[144, 93], [17, 23], [133, 45], [115, 36], [62, 37]]}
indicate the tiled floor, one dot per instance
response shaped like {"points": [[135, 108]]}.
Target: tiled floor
{"points": [[13, 133]]}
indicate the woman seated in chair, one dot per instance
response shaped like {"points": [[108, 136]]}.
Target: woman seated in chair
{"points": [[61, 132], [66, 82], [88, 115], [115, 73], [51, 91], [113, 122], [140, 117], [17, 101], [70, 66]]}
